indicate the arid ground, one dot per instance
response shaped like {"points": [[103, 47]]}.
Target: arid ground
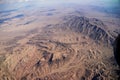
{"points": [[58, 40]]}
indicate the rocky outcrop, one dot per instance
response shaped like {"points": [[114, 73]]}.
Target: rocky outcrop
{"points": [[91, 27]]}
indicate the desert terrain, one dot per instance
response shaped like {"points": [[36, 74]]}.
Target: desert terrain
{"points": [[58, 40]]}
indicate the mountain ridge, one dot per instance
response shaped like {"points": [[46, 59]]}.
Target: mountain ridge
{"points": [[92, 27]]}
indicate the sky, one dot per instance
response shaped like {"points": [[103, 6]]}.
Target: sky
{"points": [[85, 1], [101, 3], [97, 2]]}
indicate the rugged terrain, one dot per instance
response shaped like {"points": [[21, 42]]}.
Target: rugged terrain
{"points": [[58, 40], [77, 49]]}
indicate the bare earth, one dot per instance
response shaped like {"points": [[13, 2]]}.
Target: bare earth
{"points": [[58, 43]]}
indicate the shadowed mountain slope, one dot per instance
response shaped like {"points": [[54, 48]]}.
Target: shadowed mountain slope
{"points": [[91, 27]]}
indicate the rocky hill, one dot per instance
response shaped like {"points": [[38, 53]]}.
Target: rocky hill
{"points": [[65, 51], [92, 27]]}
